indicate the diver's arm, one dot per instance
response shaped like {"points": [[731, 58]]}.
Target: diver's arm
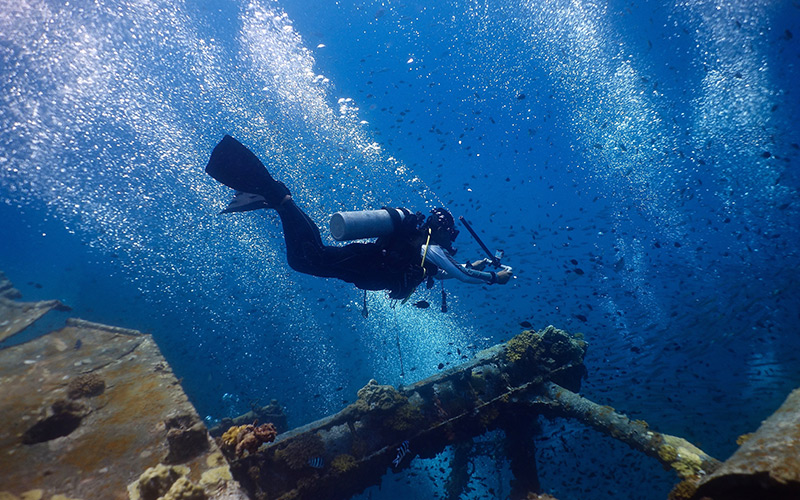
{"points": [[449, 268]]}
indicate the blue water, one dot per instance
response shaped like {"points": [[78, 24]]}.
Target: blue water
{"points": [[638, 163]]}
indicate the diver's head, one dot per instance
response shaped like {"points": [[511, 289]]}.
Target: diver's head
{"points": [[443, 228]]}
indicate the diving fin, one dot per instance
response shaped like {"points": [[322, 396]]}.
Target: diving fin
{"points": [[245, 202], [234, 165]]}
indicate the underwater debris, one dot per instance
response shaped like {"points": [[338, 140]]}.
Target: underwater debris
{"points": [[549, 351]]}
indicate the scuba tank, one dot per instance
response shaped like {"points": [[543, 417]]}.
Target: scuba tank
{"points": [[366, 223]]}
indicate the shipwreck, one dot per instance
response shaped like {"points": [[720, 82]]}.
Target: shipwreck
{"points": [[94, 408]]}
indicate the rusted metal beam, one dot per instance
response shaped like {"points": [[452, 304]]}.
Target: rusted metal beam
{"points": [[686, 459], [766, 465]]}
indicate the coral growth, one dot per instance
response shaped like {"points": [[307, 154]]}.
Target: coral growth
{"points": [[86, 386], [246, 439], [683, 457], [159, 481], [550, 347], [488, 416], [396, 412], [219, 473], [186, 437], [667, 453], [183, 489], [683, 490], [343, 463], [550, 352], [298, 451], [519, 345], [743, 438], [478, 381], [405, 418], [374, 396]]}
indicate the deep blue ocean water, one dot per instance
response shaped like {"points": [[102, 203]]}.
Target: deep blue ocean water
{"points": [[637, 161]]}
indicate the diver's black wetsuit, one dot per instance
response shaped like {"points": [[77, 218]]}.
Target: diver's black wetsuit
{"points": [[394, 262], [391, 263]]}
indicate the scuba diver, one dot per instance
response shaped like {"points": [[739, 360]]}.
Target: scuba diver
{"points": [[409, 250]]}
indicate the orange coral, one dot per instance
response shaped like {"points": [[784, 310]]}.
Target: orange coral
{"points": [[265, 433], [247, 438]]}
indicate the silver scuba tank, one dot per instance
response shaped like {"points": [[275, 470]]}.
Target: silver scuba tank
{"points": [[364, 223]]}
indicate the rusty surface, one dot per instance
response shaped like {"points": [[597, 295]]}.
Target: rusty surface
{"points": [[766, 465], [88, 408]]}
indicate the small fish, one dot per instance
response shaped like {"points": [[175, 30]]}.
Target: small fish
{"points": [[402, 450], [316, 462], [422, 304], [78, 344], [525, 324]]}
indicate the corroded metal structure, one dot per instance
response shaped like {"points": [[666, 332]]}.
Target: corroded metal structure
{"points": [[94, 411], [358, 444]]}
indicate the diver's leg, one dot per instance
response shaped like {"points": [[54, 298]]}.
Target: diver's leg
{"points": [[305, 251]]}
